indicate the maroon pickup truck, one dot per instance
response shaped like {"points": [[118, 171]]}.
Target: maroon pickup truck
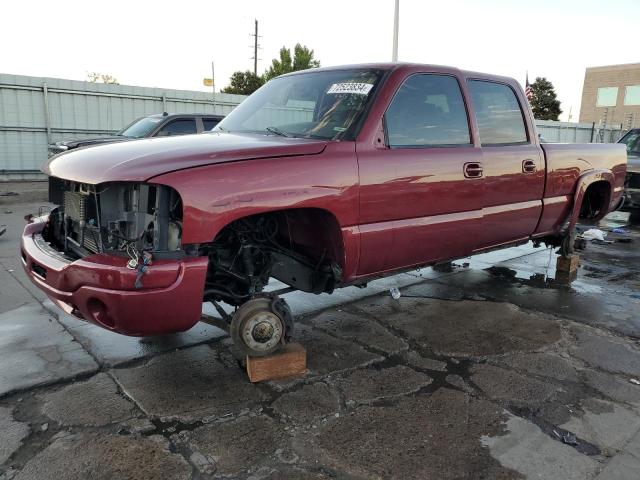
{"points": [[321, 179]]}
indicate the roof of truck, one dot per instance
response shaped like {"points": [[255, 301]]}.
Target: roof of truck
{"points": [[409, 65]]}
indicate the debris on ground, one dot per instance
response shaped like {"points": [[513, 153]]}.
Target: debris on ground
{"points": [[395, 293], [3, 229], [635, 381], [568, 437], [9, 194], [595, 234]]}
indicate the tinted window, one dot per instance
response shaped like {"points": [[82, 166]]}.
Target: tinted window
{"points": [[178, 127], [141, 127], [427, 110], [498, 113], [632, 141], [209, 123]]}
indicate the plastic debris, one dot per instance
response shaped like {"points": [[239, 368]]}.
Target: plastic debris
{"points": [[619, 230], [594, 234], [395, 293], [569, 438], [3, 229], [635, 381]]}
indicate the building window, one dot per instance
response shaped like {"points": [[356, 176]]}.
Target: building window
{"points": [[632, 95], [607, 96]]}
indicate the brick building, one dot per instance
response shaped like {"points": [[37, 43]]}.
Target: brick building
{"points": [[611, 94]]}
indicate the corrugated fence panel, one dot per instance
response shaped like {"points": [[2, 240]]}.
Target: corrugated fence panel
{"points": [[567, 132], [81, 110]]}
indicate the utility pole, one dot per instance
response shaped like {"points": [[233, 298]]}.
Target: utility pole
{"points": [[213, 80], [255, 50], [396, 19]]}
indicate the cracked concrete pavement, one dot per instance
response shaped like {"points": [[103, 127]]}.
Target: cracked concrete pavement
{"points": [[491, 370]]}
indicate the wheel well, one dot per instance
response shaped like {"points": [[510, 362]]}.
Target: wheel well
{"points": [[312, 232], [301, 247], [595, 201]]}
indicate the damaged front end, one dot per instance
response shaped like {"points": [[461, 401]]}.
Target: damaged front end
{"points": [[129, 219], [112, 254]]}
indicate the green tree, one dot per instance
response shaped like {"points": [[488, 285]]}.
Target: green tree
{"points": [[544, 101], [243, 83], [302, 60]]}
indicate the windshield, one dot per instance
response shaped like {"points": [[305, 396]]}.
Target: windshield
{"points": [[632, 141], [322, 104], [141, 127]]}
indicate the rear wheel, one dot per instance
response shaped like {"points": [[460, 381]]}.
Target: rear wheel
{"points": [[257, 328]]}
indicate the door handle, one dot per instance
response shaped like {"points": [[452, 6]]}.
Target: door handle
{"points": [[529, 166], [473, 170]]}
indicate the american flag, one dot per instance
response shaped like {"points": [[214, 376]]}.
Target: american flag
{"points": [[527, 89]]}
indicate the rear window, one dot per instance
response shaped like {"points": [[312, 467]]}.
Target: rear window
{"points": [[498, 113]]}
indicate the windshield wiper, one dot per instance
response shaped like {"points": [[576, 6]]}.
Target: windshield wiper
{"points": [[277, 131]]}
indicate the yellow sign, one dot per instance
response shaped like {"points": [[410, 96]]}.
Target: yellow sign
{"points": [[208, 82]]}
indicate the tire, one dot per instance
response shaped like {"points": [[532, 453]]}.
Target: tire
{"points": [[257, 329]]}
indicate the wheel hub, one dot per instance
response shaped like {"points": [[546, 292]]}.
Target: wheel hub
{"points": [[262, 331]]}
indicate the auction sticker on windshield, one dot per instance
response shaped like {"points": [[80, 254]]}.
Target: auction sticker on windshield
{"points": [[351, 87]]}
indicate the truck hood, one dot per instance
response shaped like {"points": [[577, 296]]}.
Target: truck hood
{"points": [[85, 142], [143, 159]]}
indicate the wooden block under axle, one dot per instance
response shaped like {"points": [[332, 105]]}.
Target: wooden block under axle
{"points": [[290, 361], [567, 264]]}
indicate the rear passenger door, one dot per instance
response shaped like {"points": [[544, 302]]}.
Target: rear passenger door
{"points": [[512, 161]]}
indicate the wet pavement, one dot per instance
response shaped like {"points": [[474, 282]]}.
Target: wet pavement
{"points": [[492, 370]]}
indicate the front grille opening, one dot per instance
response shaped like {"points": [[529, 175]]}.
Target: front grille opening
{"points": [[38, 270], [125, 217]]}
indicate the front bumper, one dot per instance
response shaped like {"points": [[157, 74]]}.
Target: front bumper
{"points": [[101, 289]]}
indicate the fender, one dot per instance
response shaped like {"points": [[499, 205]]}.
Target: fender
{"points": [[584, 181]]}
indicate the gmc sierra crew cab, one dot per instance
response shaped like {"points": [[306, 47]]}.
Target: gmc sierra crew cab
{"points": [[321, 179]]}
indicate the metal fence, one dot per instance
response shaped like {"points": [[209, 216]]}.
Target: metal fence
{"points": [[567, 132], [36, 111]]}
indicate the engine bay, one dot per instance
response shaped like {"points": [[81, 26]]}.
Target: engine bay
{"points": [[131, 218]]}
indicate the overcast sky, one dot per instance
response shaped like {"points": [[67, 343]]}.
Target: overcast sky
{"points": [[171, 44]]}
